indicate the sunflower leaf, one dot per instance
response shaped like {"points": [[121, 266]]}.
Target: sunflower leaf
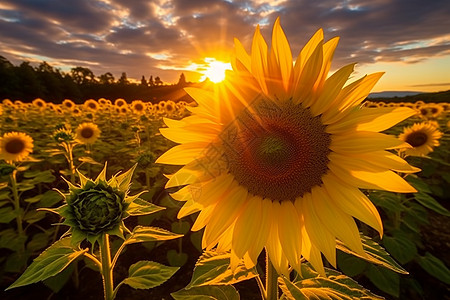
{"points": [[334, 286], [429, 202], [142, 234], [375, 254], [385, 280], [148, 274], [207, 292], [51, 262], [141, 207], [213, 268], [435, 267]]}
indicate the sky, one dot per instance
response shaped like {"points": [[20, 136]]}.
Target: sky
{"points": [[407, 39]]}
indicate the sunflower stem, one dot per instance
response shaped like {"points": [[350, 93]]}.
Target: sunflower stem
{"points": [[107, 270], [17, 204], [271, 280]]}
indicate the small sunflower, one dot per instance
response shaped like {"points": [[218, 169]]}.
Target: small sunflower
{"points": [[276, 155], [138, 107], [120, 102], [68, 104], [422, 137], [15, 146], [87, 133], [91, 104], [170, 107], [39, 103]]}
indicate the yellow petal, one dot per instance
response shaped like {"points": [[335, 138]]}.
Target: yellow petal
{"points": [[207, 104], [242, 55], [337, 222], [311, 253], [189, 208], [363, 141], [317, 232], [283, 54], [289, 232], [225, 212], [386, 160], [182, 154], [264, 230], [331, 90], [367, 179], [259, 59], [182, 135], [371, 119], [350, 96], [353, 202], [203, 218], [306, 52]]}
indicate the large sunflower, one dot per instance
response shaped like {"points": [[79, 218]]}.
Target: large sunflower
{"points": [[15, 146], [423, 137], [275, 156]]}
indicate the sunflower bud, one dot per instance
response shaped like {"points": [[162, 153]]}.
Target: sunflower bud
{"points": [[97, 208]]}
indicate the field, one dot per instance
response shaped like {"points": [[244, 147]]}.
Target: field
{"points": [[69, 138]]}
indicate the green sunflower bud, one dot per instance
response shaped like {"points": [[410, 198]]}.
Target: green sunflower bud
{"points": [[97, 209]]}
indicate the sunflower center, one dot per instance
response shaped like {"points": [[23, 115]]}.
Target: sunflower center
{"points": [[277, 151], [417, 138], [15, 146], [87, 132]]}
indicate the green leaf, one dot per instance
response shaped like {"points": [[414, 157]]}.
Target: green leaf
{"points": [[181, 227], [375, 254], [10, 239], [57, 282], [334, 286], [419, 184], [124, 179], [142, 234], [148, 274], [435, 267], [38, 242], [49, 199], [429, 202], [213, 268], [207, 292], [388, 201], [350, 264], [400, 247], [33, 216], [175, 258], [89, 160], [52, 261], [141, 207], [7, 214], [385, 280]]}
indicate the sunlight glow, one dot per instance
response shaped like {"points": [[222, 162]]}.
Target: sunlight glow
{"points": [[214, 70]]}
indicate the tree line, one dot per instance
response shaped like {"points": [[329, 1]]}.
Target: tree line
{"points": [[25, 82]]}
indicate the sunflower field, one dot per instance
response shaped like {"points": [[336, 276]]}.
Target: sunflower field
{"points": [[43, 144]]}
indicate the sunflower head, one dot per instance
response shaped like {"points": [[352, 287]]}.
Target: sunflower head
{"points": [[138, 107], [15, 146], [68, 104], [39, 103], [423, 138], [96, 207], [87, 133], [120, 102], [63, 133], [91, 105], [275, 155]]}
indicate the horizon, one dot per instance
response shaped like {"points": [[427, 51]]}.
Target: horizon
{"points": [[167, 38]]}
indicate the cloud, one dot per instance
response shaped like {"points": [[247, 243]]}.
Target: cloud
{"points": [[163, 37]]}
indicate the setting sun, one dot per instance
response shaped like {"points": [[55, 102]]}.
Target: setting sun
{"points": [[215, 70]]}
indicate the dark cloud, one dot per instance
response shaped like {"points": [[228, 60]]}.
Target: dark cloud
{"points": [[163, 37]]}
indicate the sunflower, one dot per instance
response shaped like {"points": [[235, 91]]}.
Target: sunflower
{"points": [[138, 107], [170, 107], [68, 104], [87, 133], [120, 102], [423, 137], [275, 156], [15, 146], [91, 104], [39, 103]]}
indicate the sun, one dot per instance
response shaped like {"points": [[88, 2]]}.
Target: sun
{"points": [[215, 70]]}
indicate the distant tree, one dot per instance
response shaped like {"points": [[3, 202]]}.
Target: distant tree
{"points": [[29, 83], [123, 80], [106, 78], [51, 82], [182, 80], [158, 81], [9, 83], [143, 81], [150, 81], [82, 75]]}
